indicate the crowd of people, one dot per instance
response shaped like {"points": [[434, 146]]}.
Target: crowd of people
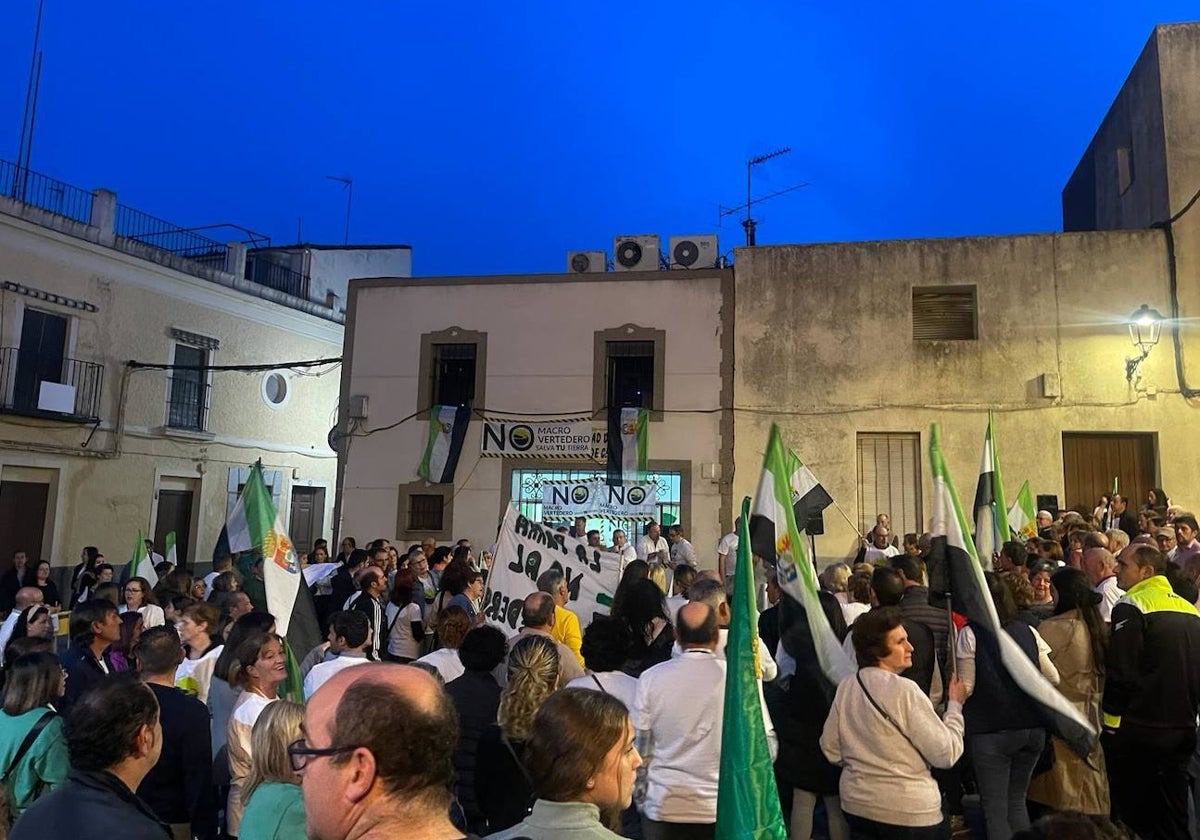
{"points": [[177, 711]]}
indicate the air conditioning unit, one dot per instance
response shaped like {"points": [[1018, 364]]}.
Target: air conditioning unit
{"points": [[635, 253], [585, 262], [693, 251]]}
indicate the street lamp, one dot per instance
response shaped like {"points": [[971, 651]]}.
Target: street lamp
{"points": [[1145, 326]]}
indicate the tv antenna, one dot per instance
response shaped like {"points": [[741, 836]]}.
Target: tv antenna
{"points": [[347, 182], [749, 222]]}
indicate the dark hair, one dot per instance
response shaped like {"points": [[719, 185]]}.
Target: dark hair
{"points": [[413, 745], [642, 604], [1147, 555], [1160, 498], [460, 553], [635, 570], [439, 554], [87, 614], [911, 567], [571, 735], [353, 626], [402, 588], [109, 591], [159, 650], [1186, 519], [454, 578], [859, 586], [225, 582], [91, 554], [1071, 826], [357, 558], [246, 626], [1002, 597], [33, 680], [201, 612], [105, 720], [870, 634], [130, 621], [1021, 589], [21, 628], [17, 648], [247, 653], [1075, 592], [1015, 552], [482, 649], [104, 567], [536, 611], [1181, 584], [888, 586], [606, 644]]}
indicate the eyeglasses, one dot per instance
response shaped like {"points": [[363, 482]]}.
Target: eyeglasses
{"points": [[299, 753]]}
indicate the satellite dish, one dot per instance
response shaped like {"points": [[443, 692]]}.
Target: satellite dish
{"points": [[581, 263], [686, 253], [629, 254], [334, 439]]}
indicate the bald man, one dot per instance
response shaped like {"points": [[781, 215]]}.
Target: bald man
{"points": [[27, 596], [1100, 566], [683, 740], [365, 773]]}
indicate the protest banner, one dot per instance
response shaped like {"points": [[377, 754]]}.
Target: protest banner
{"points": [[571, 438], [595, 498], [524, 550]]}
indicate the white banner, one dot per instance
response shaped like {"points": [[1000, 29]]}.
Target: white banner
{"points": [[576, 437], [595, 498], [524, 550]]}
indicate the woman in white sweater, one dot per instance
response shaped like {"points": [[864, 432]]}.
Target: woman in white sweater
{"points": [[884, 732]]}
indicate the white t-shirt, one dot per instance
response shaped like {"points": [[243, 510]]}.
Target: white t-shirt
{"points": [[152, 615], [401, 641], [647, 546], [852, 610], [323, 671], [627, 552], [874, 555], [446, 661], [682, 552], [728, 546], [617, 683], [1111, 593]]}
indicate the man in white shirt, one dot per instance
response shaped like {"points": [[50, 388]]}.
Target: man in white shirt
{"points": [[708, 591], [655, 550], [727, 548], [681, 742], [27, 596], [350, 634], [681, 550], [1101, 568], [622, 547], [880, 547]]}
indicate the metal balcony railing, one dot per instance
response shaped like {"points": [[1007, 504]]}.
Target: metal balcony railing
{"points": [[37, 190], [165, 236], [187, 402], [262, 271], [23, 376]]}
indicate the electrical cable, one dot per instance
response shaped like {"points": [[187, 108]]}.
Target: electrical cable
{"points": [[1168, 229], [307, 363]]}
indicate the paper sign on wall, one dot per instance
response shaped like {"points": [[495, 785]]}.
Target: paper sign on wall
{"points": [[593, 497]]}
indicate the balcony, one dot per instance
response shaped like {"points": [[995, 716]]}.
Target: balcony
{"points": [[187, 402], [56, 389]]}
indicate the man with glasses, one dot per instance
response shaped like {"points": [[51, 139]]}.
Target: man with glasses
{"points": [[361, 771]]}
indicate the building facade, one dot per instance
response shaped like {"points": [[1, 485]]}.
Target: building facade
{"points": [[119, 410], [525, 350]]}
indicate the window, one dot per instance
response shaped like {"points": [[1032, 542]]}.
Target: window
{"points": [[944, 313], [628, 369], [527, 496], [425, 510], [187, 401], [453, 374], [1125, 173], [40, 358], [275, 389], [889, 480], [453, 368]]}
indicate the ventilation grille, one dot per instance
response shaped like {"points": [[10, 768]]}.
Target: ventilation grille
{"points": [[944, 314]]}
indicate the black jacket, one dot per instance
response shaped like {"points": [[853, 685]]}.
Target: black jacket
{"points": [[83, 672], [476, 696], [178, 788], [502, 787], [90, 806]]}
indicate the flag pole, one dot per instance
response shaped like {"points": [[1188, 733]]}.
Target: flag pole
{"points": [[849, 521]]}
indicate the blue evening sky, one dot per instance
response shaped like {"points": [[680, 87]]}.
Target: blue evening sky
{"points": [[495, 137]]}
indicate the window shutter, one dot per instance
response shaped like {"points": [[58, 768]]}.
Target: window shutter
{"points": [[944, 313]]}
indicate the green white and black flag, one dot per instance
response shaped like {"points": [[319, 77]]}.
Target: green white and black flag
{"points": [[628, 445], [991, 513], [447, 428], [969, 592], [808, 499]]}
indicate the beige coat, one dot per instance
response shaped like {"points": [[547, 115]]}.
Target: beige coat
{"points": [[1074, 784]]}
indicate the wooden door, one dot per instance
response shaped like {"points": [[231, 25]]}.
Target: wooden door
{"points": [[22, 520], [1092, 460], [174, 514], [308, 515]]}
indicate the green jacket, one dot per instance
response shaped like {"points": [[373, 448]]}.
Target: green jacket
{"points": [[44, 766], [275, 812]]}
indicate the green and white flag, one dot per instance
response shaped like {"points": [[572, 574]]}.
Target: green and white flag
{"points": [[991, 513], [140, 564], [169, 552], [1022, 518], [628, 445], [773, 507], [447, 429]]}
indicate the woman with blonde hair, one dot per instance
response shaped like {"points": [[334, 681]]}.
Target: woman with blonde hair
{"points": [[274, 805], [503, 788]]}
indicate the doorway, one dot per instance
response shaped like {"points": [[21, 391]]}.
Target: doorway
{"points": [[308, 516], [23, 506], [174, 514], [1091, 461]]}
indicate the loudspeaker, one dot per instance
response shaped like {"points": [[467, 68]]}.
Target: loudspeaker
{"points": [[1048, 501], [815, 526]]}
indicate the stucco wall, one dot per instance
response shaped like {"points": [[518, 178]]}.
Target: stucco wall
{"points": [[823, 345], [105, 500], [332, 269], [540, 338]]}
